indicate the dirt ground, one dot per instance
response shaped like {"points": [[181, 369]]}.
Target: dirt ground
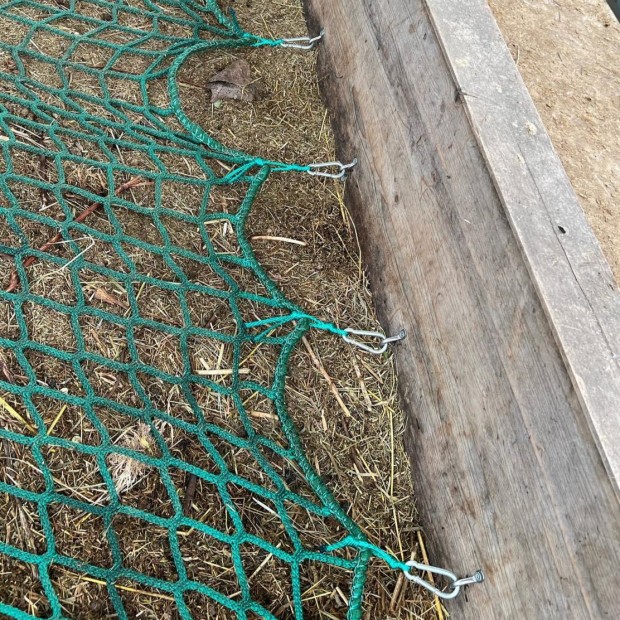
{"points": [[342, 401], [567, 52]]}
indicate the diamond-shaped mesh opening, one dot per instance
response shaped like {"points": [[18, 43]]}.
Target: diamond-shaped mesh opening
{"points": [[15, 31], [80, 535], [111, 384], [115, 262], [39, 70], [34, 231], [50, 279], [103, 292], [202, 501], [126, 88], [261, 518], [159, 304], [137, 226], [132, 63], [190, 448], [104, 337], [45, 168], [127, 19], [184, 197], [260, 362], [91, 55], [166, 398], [76, 474], [70, 24], [84, 174], [8, 321], [241, 462], [222, 237], [198, 271], [49, 327], [83, 83], [224, 412], [227, 199], [84, 146], [141, 260], [150, 554], [210, 313], [208, 561], [52, 371], [112, 34], [213, 360], [159, 349], [29, 11]]}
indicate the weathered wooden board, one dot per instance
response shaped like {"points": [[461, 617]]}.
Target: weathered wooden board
{"points": [[475, 242]]}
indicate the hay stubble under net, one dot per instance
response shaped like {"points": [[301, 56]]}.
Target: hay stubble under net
{"points": [[145, 427]]}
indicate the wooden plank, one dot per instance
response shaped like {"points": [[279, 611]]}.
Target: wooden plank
{"points": [[512, 416], [573, 279]]}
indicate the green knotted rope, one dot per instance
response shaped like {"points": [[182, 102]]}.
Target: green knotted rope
{"points": [[58, 111]]}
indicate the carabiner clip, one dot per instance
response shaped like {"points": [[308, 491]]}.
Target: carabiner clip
{"points": [[383, 344], [455, 583], [302, 43], [316, 169]]}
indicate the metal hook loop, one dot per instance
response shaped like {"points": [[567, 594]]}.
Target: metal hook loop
{"points": [[455, 583], [477, 577], [383, 344], [302, 43], [316, 170], [401, 335]]}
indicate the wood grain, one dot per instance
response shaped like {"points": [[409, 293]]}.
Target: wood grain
{"points": [[508, 376]]}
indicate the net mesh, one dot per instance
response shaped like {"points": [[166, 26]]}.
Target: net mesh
{"points": [[92, 130]]}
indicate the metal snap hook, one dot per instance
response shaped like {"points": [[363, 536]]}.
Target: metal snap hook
{"points": [[302, 43], [316, 170], [383, 344], [455, 583]]}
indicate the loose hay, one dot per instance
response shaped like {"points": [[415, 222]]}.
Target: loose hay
{"points": [[343, 402]]}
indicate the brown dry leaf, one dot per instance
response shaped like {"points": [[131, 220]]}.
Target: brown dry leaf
{"points": [[104, 296], [233, 82]]}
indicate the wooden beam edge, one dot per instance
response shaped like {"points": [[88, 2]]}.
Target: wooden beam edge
{"points": [[572, 277]]}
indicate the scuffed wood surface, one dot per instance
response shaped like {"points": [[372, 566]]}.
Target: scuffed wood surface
{"points": [[506, 459], [575, 283]]}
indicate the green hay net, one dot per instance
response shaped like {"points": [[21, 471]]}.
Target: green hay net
{"points": [[60, 111]]}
